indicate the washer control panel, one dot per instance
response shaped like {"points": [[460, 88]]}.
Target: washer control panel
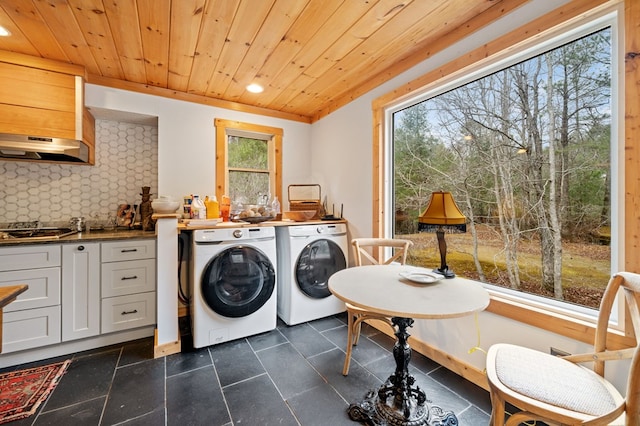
{"points": [[222, 235]]}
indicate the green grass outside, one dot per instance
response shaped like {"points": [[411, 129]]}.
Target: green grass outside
{"points": [[585, 269]]}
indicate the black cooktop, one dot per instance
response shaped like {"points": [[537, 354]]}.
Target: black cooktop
{"points": [[35, 233]]}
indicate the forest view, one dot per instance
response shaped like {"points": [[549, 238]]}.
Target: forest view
{"points": [[526, 153], [248, 170]]}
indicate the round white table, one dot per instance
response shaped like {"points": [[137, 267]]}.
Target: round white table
{"points": [[383, 289]]}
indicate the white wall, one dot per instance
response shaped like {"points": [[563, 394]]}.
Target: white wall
{"points": [[342, 161], [186, 139]]}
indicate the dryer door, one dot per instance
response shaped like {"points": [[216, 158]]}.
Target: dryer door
{"points": [[238, 281], [316, 263]]}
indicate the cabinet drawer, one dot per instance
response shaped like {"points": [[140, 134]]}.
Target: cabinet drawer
{"points": [[30, 328], [122, 278], [36, 256], [44, 288], [128, 250], [124, 312]]}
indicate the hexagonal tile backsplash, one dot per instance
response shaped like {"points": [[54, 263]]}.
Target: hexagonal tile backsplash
{"points": [[126, 160]]}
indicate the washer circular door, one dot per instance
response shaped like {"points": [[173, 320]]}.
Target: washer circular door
{"points": [[238, 281], [316, 263]]}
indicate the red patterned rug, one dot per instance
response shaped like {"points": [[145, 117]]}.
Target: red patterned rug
{"points": [[22, 392]]}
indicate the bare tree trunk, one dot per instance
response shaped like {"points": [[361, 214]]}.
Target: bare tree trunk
{"points": [[563, 174], [553, 173], [474, 235], [493, 106], [506, 217], [537, 181], [505, 166]]}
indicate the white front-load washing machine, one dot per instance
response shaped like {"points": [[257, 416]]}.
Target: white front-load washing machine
{"points": [[307, 256], [234, 290]]}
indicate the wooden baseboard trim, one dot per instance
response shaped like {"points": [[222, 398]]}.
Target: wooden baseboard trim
{"points": [[456, 365], [167, 348]]}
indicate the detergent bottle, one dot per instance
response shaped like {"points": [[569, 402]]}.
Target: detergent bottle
{"points": [[213, 208]]}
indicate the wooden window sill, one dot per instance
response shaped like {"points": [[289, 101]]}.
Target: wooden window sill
{"points": [[580, 330]]}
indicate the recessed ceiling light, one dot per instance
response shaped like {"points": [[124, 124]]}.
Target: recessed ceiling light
{"points": [[4, 32], [255, 88]]}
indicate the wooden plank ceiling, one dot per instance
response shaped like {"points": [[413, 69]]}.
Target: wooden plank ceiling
{"points": [[311, 56]]}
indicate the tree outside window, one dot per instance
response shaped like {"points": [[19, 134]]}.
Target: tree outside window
{"points": [[248, 167], [526, 153]]}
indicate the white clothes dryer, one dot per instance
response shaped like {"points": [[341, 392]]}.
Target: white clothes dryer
{"points": [[307, 256], [234, 289]]}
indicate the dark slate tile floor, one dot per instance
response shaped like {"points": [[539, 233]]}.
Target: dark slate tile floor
{"points": [[288, 376]]}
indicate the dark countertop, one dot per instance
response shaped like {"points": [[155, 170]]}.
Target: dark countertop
{"points": [[86, 236]]}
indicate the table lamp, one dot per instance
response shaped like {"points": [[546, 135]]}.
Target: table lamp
{"points": [[442, 215]]}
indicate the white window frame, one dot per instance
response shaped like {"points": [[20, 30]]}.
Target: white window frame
{"points": [[535, 45]]}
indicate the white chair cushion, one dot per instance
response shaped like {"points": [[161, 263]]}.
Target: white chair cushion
{"points": [[550, 379]]}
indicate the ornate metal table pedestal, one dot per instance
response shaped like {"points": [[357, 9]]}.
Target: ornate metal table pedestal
{"points": [[397, 402]]}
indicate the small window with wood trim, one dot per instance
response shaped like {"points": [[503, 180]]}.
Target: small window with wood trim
{"points": [[248, 161]]}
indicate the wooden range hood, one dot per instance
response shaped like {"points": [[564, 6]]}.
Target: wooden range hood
{"points": [[42, 111]]}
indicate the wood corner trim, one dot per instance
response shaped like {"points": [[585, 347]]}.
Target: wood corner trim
{"points": [[163, 350]]}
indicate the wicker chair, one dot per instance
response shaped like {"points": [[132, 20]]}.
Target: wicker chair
{"points": [[369, 250], [560, 391]]}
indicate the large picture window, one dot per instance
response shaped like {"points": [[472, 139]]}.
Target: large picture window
{"points": [[527, 149]]}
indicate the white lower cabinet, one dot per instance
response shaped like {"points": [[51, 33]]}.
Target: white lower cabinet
{"points": [[124, 312], [128, 282], [30, 328], [80, 290], [77, 290], [29, 257], [33, 319], [44, 288], [128, 277]]}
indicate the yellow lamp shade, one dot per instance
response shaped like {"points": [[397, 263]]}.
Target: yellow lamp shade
{"points": [[442, 214]]}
